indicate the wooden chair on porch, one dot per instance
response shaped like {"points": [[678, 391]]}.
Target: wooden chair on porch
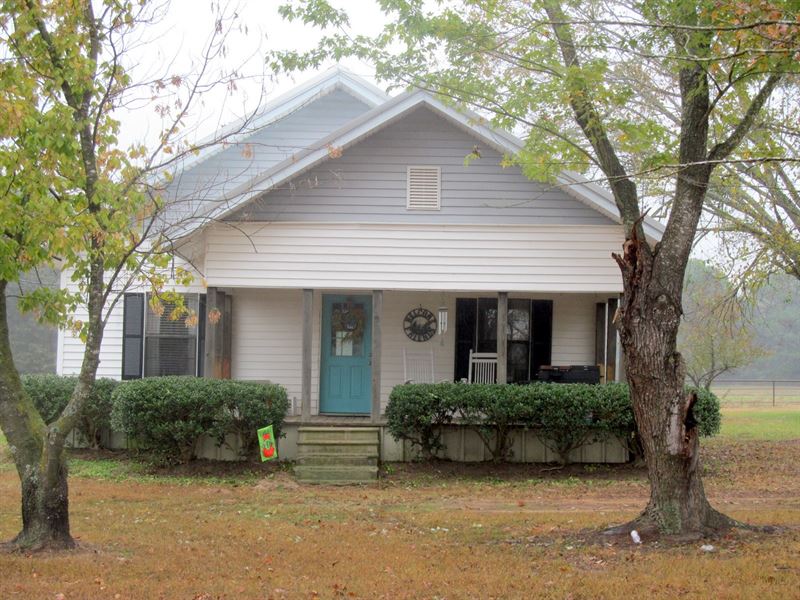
{"points": [[418, 366], [482, 367]]}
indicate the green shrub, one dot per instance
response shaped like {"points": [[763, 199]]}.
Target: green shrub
{"points": [[706, 412], [166, 416], [246, 407], [51, 393], [566, 416], [492, 411], [416, 412], [95, 414], [571, 415]]}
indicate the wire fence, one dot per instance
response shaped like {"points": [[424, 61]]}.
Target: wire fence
{"points": [[758, 392]]}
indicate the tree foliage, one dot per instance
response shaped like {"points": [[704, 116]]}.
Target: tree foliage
{"points": [[755, 205], [716, 335]]}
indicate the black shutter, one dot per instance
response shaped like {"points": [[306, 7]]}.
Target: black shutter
{"points": [[132, 336], [542, 339], [600, 335], [201, 334], [466, 316]]}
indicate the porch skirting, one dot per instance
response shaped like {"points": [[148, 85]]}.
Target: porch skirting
{"points": [[461, 444]]}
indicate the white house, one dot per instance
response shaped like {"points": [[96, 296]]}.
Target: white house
{"points": [[338, 234]]}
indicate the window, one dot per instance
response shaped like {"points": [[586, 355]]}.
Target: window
{"points": [[529, 334], [155, 345], [424, 185]]}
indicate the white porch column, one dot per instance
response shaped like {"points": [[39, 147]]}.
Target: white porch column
{"points": [[305, 385], [502, 335], [377, 314]]}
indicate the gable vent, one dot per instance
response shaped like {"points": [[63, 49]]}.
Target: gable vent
{"points": [[424, 185]]}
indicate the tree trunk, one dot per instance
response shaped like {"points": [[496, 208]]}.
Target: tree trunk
{"points": [[38, 449], [648, 321], [38, 454], [45, 507]]}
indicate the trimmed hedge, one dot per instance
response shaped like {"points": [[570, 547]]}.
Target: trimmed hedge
{"points": [[247, 406], [166, 416], [416, 412], [566, 415], [51, 393]]}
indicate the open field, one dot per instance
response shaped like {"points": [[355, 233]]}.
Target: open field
{"points": [[758, 393], [426, 531]]}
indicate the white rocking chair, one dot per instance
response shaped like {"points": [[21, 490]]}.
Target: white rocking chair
{"points": [[418, 366], [482, 367]]}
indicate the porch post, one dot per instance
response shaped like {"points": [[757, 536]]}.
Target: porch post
{"points": [[213, 338], [377, 313], [227, 335], [502, 336], [611, 340], [305, 386]]}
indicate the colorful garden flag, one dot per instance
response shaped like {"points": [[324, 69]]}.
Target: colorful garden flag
{"points": [[266, 444]]}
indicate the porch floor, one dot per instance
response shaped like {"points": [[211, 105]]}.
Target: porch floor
{"points": [[336, 421]]}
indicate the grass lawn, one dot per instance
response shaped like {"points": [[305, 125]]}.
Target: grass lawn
{"points": [[761, 423], [426, 531]]}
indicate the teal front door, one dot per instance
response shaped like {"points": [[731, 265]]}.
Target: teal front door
{"points": [[346, 362]]}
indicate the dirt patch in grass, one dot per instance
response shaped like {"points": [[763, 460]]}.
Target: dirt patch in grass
{"points": [[509, 473]]}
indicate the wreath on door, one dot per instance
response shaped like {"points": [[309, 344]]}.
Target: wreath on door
{"points": [[350, 319]]}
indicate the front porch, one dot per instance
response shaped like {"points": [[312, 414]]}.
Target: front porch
{"points": [[289, 336]]}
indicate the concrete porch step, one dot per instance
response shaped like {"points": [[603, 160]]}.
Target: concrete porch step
{"points": [[338, 447], [328, 459], [336, 474], [337, 455], [368, 435]]}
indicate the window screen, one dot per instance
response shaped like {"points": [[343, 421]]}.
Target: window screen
{"points": [[171, 345]]}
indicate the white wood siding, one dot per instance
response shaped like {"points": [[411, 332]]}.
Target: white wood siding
{"points": [[71, 348], [524, 258], [574, 329]]}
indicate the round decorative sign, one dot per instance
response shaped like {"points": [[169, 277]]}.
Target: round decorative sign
{"points": [[419, 324]]}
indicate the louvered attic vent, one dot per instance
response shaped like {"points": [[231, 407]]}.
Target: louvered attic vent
{"points": [[424, 185]]}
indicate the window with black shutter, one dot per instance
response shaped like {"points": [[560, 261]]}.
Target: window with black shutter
{"points": [[155, 343], [529, 330]]}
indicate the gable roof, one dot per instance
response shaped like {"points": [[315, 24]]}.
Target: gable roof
{"points": [[382, 114], [286, 104]]}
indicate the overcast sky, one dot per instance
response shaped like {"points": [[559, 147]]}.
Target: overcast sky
{"points": [[176, 43]]}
